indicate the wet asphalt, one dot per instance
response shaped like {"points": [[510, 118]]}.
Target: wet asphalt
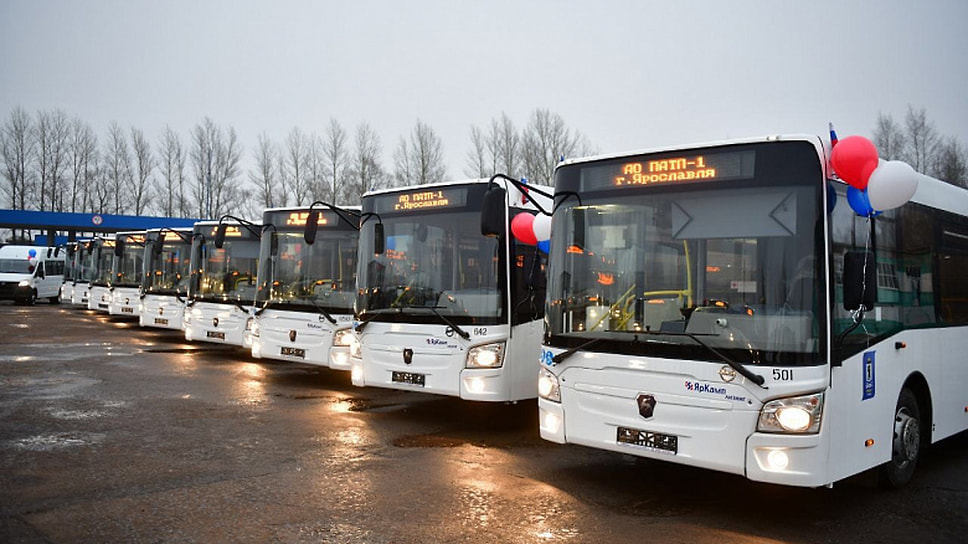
{"points": [[113, 433]]}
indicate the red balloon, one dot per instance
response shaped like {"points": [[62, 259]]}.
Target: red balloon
{"points": [[854, 159], [521, 228]]}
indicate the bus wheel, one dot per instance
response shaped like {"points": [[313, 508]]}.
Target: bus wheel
{"points": [[906, 445], [31, 298], [54, 299]]}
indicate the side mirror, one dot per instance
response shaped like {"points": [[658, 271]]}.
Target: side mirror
{"points": [[274, 244], [860, 280], [157, 247], [578, 234], [492, 212], [220, 235], [312, 224], [379, 239], [119, 247]]}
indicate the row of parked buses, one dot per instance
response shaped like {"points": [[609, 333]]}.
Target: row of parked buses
{"points": [[720, 306]]}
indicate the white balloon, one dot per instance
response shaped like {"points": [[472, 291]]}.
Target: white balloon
{"points": [[542, 227], [891, 185]]}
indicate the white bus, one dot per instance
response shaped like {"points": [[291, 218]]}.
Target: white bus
{"points": [[442, 308], [704, 308], [28, 273], [99, 293], [128, 270], [85, 270], [307, 284], [167, 271], [71, 264], [224, 262]]}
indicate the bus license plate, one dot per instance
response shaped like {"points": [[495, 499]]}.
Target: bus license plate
{"points": [[411, 378], [649, 440], [161, 321], [215, 334], [127, 310], [294, 352]]}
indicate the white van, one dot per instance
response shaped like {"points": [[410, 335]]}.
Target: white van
{"points": [[31, 272]]}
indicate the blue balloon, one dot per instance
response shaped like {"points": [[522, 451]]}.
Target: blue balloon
{"points": [[32, 253], [859, 203], [544, 245], [831, 198]]}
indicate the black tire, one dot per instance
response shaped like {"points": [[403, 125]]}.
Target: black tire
{"points": [[906, 443], [31, 299], [55, 299]]}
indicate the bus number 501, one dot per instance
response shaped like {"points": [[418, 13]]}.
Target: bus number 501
{"points": [[782, 374]]}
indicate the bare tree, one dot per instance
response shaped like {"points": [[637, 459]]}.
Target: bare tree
{"points": [[498, 151], [365, 172], [478, 163], [294, 174], [922, 140], [335, 162], [171, 163], [266, 176], [889, 138], [951, 162], [18, 146], [117, 168], [215, 155], [420, 159], [144, 164], [82, 158], [546, 142], [53, 134]]}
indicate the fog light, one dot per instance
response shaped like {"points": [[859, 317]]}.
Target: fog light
{"points": [[475, 385], [551, 422], [341, 358], [357, 374], [778, 459]]}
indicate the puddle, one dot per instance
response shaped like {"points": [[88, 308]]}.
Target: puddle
{"points": [[77, 414], [428, 441], [56, 441]]}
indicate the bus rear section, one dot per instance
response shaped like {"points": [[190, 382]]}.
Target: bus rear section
{"points": [[85, 272], [307, 284], [223, 282], [167, 273], [442, 308], [697, 314]]}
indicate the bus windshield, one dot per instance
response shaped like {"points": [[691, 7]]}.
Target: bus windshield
{"points": [[435, 262], [674, 271], [105, 260], [168, 272], [227, 274], [320, 275], [130, 265]]}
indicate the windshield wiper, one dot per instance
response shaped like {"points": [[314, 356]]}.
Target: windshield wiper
{"points": [[738, 367], [370, 315], [320, 309], [461, 332]]}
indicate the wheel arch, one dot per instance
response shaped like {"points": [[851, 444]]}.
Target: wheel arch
{"points": [[918, 385]]}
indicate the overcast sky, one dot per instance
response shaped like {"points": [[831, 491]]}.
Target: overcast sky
{"points": [[627, 74]]}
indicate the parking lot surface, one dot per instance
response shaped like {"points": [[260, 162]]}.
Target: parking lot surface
{"points": [[113, 433]]}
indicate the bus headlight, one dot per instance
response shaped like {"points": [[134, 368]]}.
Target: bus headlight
{"points": [[799, 415], [548, 388], [343, 337], [24, 283], [486, 356]]}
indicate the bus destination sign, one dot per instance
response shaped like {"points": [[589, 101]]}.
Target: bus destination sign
{"points": [[420, 200], [669, 169]]}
